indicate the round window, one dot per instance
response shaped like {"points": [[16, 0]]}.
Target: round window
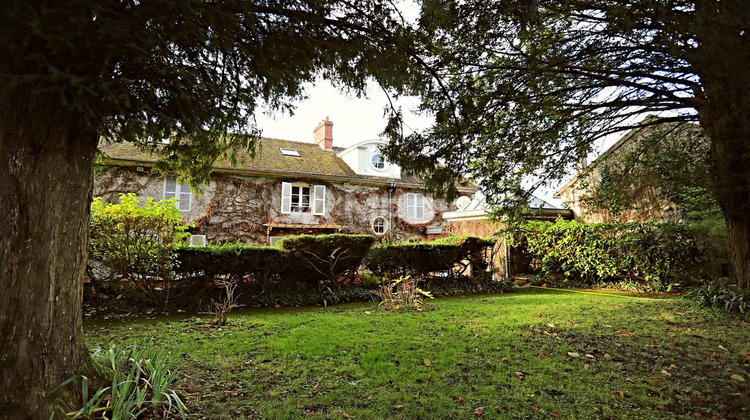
{"points": [[378, 161], [378, 226]]}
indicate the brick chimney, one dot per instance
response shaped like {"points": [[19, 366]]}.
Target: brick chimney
{"points": [[324, 134]]}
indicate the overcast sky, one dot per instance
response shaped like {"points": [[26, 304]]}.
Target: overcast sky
{"points": [[354, 120]]}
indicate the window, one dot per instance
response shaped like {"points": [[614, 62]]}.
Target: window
{"points": [[295, 198], [378, 162], [300, 199], [414, 206], [378, 226], [289, 152], [179, 191]]}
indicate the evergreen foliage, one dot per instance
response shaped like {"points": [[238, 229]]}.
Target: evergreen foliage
{"points": [[653, 254], [239, 261], [420, 259], [521, 90]]}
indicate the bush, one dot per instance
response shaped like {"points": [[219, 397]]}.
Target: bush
{"points": [[655, 254], [134, 243], [261, 264], [420, 259], [327, 261]]}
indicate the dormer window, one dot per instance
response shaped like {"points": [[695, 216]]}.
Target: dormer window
{"points": [[289, 152], [378, 162]]}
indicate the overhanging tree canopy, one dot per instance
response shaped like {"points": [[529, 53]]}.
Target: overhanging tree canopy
{"points": [[139, 71], [521, 89]]}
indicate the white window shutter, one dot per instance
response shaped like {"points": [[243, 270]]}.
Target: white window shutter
{"points": [[170, 186], [419, 206], [319, 200], [185, 196], [410, 206], [286, 198]]}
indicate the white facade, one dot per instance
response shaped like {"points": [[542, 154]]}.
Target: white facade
{"points": [[365, 159]]}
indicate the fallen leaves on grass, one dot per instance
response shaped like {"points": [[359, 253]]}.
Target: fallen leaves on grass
{"points": [[460, 400], [427, 362], [347, 416], [624, 333], [554, 413], [479, 411], [737, 378], [520, 375], [534, 409], [573, 354]]}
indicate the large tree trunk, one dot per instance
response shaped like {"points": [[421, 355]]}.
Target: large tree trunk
{"points": [[721, 60], [726, 119], [730, 150], [46, 180]]}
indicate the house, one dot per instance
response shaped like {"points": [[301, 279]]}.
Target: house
{"points": [[646, 200], [290, 187], [471, 218]]}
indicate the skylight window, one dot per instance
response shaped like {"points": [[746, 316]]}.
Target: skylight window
{"points": [[289, 152]]}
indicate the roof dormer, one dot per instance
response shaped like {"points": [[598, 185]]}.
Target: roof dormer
{"points": [[366, 159]]}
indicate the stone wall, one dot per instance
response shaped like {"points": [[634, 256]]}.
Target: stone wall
{"points": [[648, 203], [483, 228], [235, 208]]}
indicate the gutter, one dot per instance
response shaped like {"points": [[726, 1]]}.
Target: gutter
{"points": [[289, 175]]}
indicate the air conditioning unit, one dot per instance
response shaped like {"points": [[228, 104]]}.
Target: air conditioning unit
{"points": [[197, 240]]}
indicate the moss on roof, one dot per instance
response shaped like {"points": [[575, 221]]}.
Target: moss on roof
{"points": [[313, 161]]}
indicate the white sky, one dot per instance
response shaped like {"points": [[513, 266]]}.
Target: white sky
{"points": [[354, 119]]}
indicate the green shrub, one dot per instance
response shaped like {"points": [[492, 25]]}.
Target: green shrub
{"points": [[261, 264], [134, 242], [653, 254], [327, 261], [420, 259]]}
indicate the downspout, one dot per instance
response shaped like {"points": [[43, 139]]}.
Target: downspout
{"points": [[391, 189], [507, 258]]}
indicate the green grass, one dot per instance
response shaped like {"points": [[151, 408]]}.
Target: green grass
{"points": [[637, 358]]}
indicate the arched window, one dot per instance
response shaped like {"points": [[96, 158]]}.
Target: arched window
{"points": [[378, 226]]}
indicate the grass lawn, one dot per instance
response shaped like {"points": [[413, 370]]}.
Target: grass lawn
{"points": [[530, 354]]}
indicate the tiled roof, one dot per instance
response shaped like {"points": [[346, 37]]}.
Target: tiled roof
{"points": [[313, 161]]}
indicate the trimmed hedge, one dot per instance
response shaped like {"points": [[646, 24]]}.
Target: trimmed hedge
{"points": [[318, 257], [258, 263], [424, 258], [655, 253]]}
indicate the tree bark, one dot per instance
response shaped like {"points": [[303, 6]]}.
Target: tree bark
{"points": [[726, 119], [46, 162], [721, 60], [730, 150]]}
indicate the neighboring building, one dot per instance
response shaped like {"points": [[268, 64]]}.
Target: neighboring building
{"points": [[471, 219], [288, 188], [647, 202]]}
